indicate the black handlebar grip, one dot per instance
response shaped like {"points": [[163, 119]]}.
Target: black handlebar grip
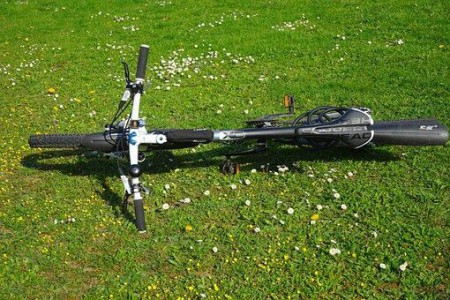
{"points": [[139, 214], [410, 132], [142, 62]]}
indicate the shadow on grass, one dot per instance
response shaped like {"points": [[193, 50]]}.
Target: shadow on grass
{"points": [[82, 163], [77, 163]]}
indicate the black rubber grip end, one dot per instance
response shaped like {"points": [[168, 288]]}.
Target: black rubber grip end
{"points": [[142, 62], [421, 132]]}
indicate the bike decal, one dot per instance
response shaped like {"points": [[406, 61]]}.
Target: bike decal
{"points": [[428, 127], [132, 138]]}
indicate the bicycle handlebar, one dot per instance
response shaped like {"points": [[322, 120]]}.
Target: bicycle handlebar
{"points": [[142, 63]]}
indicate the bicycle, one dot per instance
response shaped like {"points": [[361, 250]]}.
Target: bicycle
{"points": [[320, 128]]}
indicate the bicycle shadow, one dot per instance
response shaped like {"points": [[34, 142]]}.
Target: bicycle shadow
{"points": [[77, 163], [88, 164]]}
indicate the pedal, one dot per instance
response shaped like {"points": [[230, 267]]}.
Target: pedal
{"points": [[289, 103], [230, 168]]}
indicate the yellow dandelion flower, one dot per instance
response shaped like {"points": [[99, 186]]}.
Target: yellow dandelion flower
{"points": [[315, 217], [51, 90], [188, 228]]}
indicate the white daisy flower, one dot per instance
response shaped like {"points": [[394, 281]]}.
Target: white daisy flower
{"points": [[185, 200], [335, 251], [403, 266]]}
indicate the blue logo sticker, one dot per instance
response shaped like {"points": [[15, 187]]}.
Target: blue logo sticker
{"points": [[131, 138]]}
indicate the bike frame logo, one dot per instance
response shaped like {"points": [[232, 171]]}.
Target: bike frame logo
{"points": [[428, 127]]}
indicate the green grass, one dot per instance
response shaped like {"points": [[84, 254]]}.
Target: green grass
{"points": [[62, 233]]}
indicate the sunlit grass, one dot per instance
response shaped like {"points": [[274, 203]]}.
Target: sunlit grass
{"points": [[333, 224]]}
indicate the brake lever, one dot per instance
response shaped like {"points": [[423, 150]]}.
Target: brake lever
{"points": [[127, 73], [127, 94]]}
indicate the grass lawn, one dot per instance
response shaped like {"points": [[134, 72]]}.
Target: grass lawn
{"points": [[337, 224]]}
